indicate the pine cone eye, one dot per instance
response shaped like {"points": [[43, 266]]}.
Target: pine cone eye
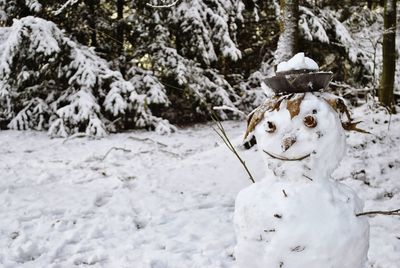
{"points": [[310, 121], [270, 127]]}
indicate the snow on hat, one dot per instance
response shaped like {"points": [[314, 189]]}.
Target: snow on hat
{"points": [[298, 75]]}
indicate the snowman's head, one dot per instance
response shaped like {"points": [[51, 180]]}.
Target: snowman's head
{"points": [[300, 134]]}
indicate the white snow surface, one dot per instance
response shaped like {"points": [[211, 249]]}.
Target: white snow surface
{"points": [[65, 204], [297, 62], [296, 216]]}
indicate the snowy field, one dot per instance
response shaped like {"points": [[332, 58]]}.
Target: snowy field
{"points": [[163, 201]]}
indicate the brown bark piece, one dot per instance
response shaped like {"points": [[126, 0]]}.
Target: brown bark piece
{"points": [[293, 105], [257, 115], [352, 126]]}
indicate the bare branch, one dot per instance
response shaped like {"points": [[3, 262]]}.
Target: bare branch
{"points": [[223, 139], [117, 149], [77, 135], [395, 212], [228, 108], [222, 134], [148, 139], [170, 153]]}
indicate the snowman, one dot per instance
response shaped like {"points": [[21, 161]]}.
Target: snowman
{"points": [[298, 216]]}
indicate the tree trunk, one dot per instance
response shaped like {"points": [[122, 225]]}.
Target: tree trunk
{"points": [[120, 24], [289, 33], [92, 21], [389, 55], [121, 35], [369, 4]]}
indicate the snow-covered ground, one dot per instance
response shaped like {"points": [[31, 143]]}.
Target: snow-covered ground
{"points": [[166, 201]]}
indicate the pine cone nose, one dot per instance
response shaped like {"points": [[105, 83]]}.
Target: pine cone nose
{"points": [[287, 142]]}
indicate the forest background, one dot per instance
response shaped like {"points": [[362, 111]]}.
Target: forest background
{"points": [[98, 67]]}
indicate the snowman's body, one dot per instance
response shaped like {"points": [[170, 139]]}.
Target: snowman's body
{"points": [[297, 216]]}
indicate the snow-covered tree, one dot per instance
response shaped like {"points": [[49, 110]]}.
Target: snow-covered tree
{"points": [[124, 64], [174, 57], [10, 9], [353, 43], [183, 45], [50, 81]]}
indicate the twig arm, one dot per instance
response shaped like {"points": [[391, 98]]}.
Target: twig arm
{"points": [[395, 212], [222, 134]]}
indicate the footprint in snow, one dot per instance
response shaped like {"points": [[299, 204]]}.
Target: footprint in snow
{"points": [[26, 251], [102, 199]]}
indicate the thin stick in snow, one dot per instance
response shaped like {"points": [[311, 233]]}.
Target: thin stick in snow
{"points": [[284, 192], [171, 153], [395, 212], [148, 139], [307, 177], [117, 149], [77, 135]]}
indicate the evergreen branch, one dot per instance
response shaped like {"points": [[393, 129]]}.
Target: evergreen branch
{"points": [[105, 34], [395, 212], [222, 134]]}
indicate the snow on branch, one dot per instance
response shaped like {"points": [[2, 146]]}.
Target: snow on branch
{"points": [[33, 5], [163, 5], [85, 93], [64, 6], [228, 108]]}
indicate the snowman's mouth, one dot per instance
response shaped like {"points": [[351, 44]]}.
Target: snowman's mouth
{"points": [[284, 158]]}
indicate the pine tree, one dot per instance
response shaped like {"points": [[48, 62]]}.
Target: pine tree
{"points": [[182, 47], [10, 9], [123, 64], [50, 81], [170, 58]]}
